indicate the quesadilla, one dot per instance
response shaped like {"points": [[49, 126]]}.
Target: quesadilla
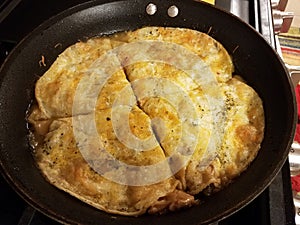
{"points": [[142, 121]]}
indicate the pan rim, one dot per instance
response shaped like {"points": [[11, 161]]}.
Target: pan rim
{"points": [[52, 21]]}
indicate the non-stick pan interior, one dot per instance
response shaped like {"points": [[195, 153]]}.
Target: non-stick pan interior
{"points": [[254, 60]]}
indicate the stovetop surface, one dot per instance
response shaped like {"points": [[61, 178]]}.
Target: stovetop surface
{"points": [[273, 207]]}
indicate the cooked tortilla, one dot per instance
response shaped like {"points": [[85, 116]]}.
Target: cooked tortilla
{"points": [[63, 165], [207, 48], [100, 107], [243, 133], [61, 80]]}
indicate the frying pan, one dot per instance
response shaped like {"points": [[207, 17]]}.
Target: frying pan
{"points": [[253, 58]]}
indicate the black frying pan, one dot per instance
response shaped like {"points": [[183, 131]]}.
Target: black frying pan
{"points": [[254, 59]]}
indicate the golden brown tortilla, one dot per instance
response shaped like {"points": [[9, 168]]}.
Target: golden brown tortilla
{"points": [[139, 116]]}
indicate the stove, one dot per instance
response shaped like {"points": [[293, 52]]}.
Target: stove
{"points": [[18, 17]]}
